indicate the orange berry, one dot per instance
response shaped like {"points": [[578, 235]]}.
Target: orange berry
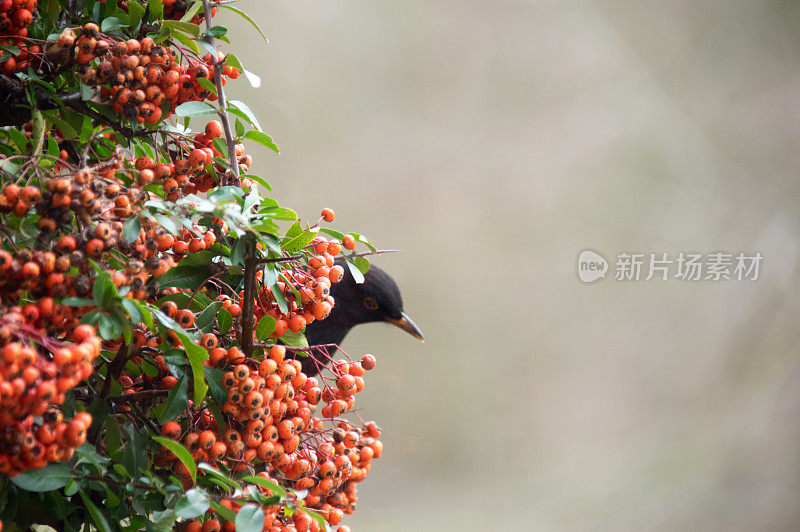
{"points": [[327, 215]]}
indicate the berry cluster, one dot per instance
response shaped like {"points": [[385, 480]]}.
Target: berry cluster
{"points": [[96, 196], [15, 16], [33, 381], [188, 172], [270, 430], [144, 81]]}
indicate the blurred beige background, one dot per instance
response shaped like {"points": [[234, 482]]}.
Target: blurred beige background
{"points": [[492, 141]]}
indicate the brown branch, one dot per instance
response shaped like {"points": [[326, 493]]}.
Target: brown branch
{"points": [[223, 102], [115, 368], [248, 305], [279, 259], [135, 396]]}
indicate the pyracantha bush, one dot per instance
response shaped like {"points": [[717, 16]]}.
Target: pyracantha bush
{"points": [[154, 374]]}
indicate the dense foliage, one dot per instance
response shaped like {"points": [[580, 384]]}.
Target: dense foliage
{"points": [[153, 295]]}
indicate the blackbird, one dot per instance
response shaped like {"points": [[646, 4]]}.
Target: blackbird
{"points": [[377, 299]]}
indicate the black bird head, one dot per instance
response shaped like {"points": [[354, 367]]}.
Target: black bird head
{"points": [[376, 299]]}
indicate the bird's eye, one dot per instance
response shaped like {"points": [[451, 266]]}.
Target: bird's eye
{"points": [[370, 303]]}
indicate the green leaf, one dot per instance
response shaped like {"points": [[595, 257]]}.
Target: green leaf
{"points": [[197, 355], [207, 85], [135, 12], [147, 315], [192, 11], [110, 327], [216, 31], [364, 240], [224, 321], [358, 276], [265, 327], [279, 298], [156, 9], [103, 289], [226, 513], [20, 141], [294, 339], [51, 477], [131, 229], [262, 138], [112, 23], [270, 275], [296, 239], [167, 223], [206, 318], [214, 379], [176, 401], [76, 302], [134, 312], [264, 483], [181, 453], [242, 110], [182, 26], [193, 504], [248, 18], [224, 480], [87, 453], [250, 519], [192, 109], [97, 517], [184, 276]]}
